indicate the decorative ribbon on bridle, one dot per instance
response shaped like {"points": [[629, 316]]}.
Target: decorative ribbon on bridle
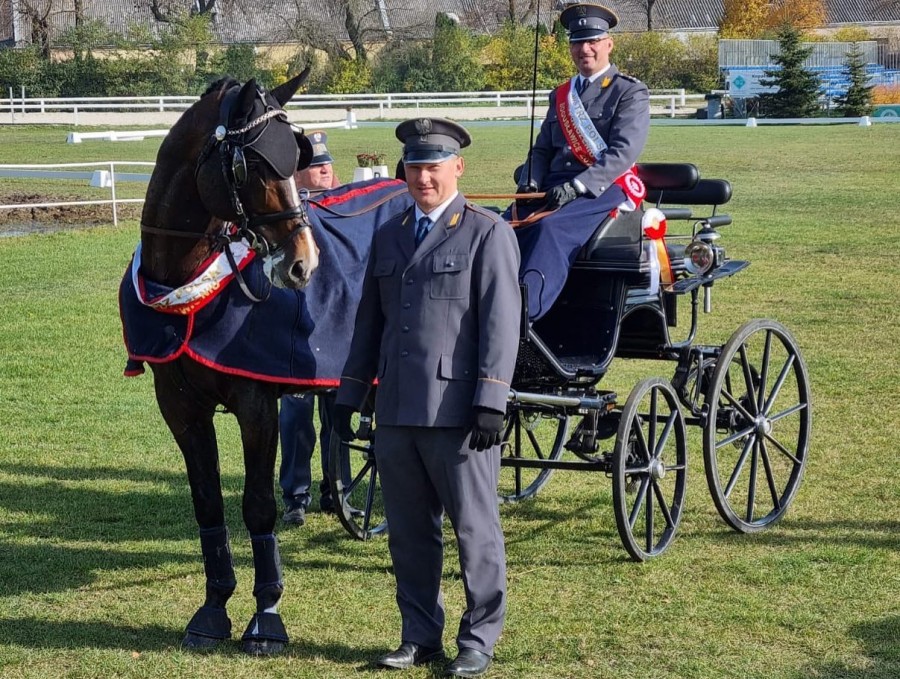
{"points": [[588, 146]]}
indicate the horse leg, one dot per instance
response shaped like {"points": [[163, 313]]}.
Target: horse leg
{"points": [[257, 415], [191, 421]]}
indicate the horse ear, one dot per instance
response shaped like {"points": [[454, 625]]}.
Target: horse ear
{"points": [[244, 104], [306, 150], [285, 91]]}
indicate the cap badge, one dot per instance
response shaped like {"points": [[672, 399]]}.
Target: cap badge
{"points": [[423, 126], [581, 10]]}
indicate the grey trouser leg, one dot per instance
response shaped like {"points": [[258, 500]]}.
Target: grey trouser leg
{"points": [[464, 483]]}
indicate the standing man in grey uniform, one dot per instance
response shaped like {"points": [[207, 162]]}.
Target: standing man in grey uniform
{"points": [[595, 129], [438, 325]]}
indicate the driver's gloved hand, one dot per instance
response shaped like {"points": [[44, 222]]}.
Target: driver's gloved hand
{"points": [[487, 431], [343, 419], [560, 195], [530, 187]]}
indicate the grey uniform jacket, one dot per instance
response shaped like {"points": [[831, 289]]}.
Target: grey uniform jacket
{"points": [[621, 113], [438, 325]]}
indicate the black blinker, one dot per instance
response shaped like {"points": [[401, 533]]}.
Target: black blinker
{"points": [[238, 167]]}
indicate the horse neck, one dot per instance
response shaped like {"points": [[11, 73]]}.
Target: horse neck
{"points": [[173, 203]]}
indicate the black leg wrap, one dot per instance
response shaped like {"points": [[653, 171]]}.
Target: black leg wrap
{"points": [[217, 561], [266, 627], [211, 623], [267, 566]]}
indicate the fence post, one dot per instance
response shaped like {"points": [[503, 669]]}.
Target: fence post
{"points": [[43, 109], [75, 112], [112, 187], [672, 106], [683, 101], [162, 106], [12, 107]]}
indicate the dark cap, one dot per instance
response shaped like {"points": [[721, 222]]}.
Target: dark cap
{"points": [[431, 140], [587, 22], [320, 151]]}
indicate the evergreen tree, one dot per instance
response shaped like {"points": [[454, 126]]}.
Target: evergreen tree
{"points": [[858, 99], [454, 57], [798, 89]]}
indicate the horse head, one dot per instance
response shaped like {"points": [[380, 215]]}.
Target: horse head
{"points": [[230, 158]]}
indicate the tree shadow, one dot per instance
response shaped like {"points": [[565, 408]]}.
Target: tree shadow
{"points": [[881, 644], [875, 534]]}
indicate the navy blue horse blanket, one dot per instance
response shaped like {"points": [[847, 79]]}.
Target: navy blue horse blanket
{"points": [[297, 337]]}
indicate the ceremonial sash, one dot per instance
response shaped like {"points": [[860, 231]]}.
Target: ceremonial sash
{"points": [[214, 275], [588, 146]]}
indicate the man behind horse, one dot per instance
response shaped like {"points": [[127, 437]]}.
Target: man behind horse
{"points": [[438, 325]]}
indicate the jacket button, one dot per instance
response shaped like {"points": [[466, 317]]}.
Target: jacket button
{"points": [[410, 281], [405, 328], [568, 164], [404, 354], [406, 305]]}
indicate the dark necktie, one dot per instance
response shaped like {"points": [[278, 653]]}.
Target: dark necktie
{"points": [[582, 85], [422, 230]]}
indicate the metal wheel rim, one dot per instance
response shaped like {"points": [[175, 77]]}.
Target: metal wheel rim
{"points": [[516, 435], [364, 477]]}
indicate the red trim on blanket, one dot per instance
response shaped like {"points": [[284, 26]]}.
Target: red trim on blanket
{"points": [[337, 200], [156, 359], [306, 382]]}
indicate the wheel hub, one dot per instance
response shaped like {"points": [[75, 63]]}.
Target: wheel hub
{"points": [[763, 425], [657, 469]]}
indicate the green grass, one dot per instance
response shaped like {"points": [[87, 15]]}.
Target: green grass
{"points": [[99, 562]]}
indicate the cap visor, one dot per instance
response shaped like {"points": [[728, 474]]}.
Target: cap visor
{"points": [[583, 36], [426, 157]]}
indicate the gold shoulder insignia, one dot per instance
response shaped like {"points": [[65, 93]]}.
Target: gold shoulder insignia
{"points": [[454, 219], [606, 81]]}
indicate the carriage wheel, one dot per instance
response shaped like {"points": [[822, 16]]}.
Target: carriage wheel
{"points": [[649, 469], [531, 433], [358, 503], [757, 430]]}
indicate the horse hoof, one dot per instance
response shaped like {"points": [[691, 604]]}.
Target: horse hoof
{"points": [[195, 642], [260, 647]]}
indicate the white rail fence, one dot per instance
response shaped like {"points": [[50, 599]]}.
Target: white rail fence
{"points": [[99, 174], [22, 105]]}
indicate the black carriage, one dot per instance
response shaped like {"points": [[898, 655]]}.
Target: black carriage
{"points": [[750, 397]]}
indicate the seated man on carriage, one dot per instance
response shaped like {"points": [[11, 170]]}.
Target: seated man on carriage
{"points": [[583, 158]]}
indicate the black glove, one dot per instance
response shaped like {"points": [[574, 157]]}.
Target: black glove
{"points": [[560, 195], [343, 416], [530, 187], [487, 430]]}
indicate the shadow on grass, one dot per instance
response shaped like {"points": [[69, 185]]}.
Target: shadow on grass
{"points": [[876, 534], [881, 645], [43, 634]]}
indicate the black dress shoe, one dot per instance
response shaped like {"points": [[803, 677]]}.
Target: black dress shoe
{"points": [[408, 655], [469, 663]]}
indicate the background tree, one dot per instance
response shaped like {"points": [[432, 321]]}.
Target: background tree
{"points": [[454, 57], [645, 7], [798, 89], [858, 99], [797, 13], [744, 18]]}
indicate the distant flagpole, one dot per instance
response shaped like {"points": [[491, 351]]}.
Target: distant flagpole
{"points": [[537, 23]]}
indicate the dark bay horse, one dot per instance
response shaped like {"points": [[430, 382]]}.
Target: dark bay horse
{"points": [[229, 160]]}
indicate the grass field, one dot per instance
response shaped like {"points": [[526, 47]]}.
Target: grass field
{"points": [[99, 561]]}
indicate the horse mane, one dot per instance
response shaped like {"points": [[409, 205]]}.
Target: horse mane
{"points": [[221, 84]]}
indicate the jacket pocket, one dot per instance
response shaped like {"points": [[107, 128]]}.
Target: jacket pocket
{"points": [[456, 369], [384, 267], [450, 275]]}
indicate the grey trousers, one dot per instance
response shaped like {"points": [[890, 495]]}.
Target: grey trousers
{"points": [[424, 472]]}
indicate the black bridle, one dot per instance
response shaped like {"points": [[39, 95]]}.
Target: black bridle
{"points": [[230, 144]]}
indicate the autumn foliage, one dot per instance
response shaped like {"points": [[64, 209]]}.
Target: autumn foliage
{"points": [[886, 94], [756, 18]]}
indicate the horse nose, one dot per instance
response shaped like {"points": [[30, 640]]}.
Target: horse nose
{"points": [[300, 273]]}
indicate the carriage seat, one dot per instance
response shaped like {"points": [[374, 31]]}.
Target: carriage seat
{"points": [[616, 244]]}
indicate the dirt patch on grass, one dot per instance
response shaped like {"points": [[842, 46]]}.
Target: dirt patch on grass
{"points": [[27, 220]]}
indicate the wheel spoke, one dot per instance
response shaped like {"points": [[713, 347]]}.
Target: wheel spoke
{"points": [[790, 411], [735, 437], [737, 405], [348, 491], [649, 525], [748, 375], [639, 501], [663, 507], [370, 500], [641, 441], [783, 450], [751, 493], [782, 376], [664, 436], [764, 373], [651, 428], [770, 477], [740, 465], [675, 467]]}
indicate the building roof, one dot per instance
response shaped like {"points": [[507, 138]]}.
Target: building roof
{"points": [[270, 21]]}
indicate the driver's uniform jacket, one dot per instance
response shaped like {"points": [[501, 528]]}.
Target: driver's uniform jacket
{"points": [[438, 326], [619, 107]]}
